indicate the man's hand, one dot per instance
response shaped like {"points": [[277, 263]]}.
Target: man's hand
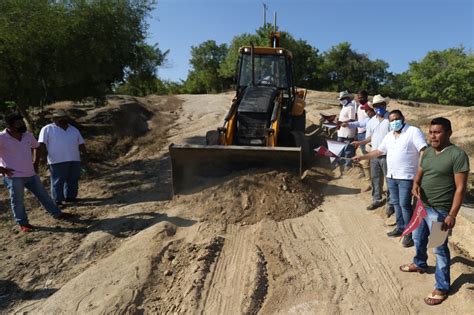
{"points": [[6, 171], [356, 158], [416, 190], [356, 144], [449, 223]]}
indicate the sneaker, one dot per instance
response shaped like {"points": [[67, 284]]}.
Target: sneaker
{"points": [[64, 216], [374, 205], [407, 241], [26, 228], [395, 233]]}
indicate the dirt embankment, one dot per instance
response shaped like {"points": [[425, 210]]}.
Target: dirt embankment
{"points": [[253, 242]]}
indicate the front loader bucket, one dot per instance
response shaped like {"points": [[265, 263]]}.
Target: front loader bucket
{"points": [[195, 165]]}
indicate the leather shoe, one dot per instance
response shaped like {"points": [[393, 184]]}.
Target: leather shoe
{"points": [[395, 233], [407, 241], [374, 205]]}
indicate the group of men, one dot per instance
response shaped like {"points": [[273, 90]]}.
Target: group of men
{"points": [[436, 174], [20, 156]]}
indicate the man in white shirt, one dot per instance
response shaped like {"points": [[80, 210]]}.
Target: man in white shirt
{"points": [[402, 145], [376, 129], [64, 145], [346, 134]]}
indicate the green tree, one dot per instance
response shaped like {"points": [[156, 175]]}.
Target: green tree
{"points": [[70, 49], [204, 77], [445, 77], [345, 69]]}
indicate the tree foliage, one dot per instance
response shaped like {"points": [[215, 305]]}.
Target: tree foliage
{"points": [[70, 49], [345, 69], [445, 77], [204, 77]]}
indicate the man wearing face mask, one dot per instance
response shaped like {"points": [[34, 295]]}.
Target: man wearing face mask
{"points": [[403, 146], [376, 129], [19, 171], [346, 134], [64, 145]]}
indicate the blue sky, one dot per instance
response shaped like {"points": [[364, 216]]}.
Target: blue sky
{"points": [[397, 31]]}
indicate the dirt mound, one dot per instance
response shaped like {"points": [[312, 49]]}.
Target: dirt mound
{"points": [[249, 198]]}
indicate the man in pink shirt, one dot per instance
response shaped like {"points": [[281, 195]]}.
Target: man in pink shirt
{"points": [[19, 171]]}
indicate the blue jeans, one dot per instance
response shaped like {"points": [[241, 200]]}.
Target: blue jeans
{"points": [[360, 137], [16, 187], [348, 151], [65, 180], [400, 198], [443, 258]]}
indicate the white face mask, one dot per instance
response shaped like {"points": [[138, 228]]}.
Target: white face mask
{"points": [[344, 102]]}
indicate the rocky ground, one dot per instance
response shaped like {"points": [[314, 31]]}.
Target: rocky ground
{"points": [[253, 242]]}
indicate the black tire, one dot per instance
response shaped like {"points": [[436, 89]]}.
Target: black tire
{"points": [[212, 137], [298, 123]]}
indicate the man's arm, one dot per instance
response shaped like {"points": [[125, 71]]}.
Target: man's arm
{"points": [[358, 143], [460, 180], [372, 154], [415, 191]]}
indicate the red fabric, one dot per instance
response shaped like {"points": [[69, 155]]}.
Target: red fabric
{"points": [[418, 215], [323, 151]]}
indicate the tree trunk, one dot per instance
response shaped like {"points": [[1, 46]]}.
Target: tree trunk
{"points": [[24, 112]]}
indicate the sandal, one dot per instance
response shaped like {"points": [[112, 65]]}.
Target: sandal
{"points": [[435, 299], [411, 268]]}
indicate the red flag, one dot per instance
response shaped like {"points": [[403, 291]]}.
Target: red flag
{"points": [[329, 118], [323, 151], [418, 215]]}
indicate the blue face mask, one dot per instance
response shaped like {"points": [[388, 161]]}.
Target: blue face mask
{"points": [[396, 125], [380, 111]]}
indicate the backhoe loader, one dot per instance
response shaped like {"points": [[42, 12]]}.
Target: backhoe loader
{"points": [[264, 127]]}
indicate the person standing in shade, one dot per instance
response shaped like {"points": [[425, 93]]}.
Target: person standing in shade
{"points": [[64, 145], [440, 183], [17, 148], [376, 129], [346, 134]]}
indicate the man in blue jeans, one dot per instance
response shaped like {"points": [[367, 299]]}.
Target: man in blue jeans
{"points": [[19, 171], [402, 146], [440, 182], [64, 145], [346, 134]]}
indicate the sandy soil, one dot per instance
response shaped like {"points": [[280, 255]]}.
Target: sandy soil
{"points": [[251, 243]]}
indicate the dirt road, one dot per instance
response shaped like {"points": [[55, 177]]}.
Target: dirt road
{"points": [[248, 244]]}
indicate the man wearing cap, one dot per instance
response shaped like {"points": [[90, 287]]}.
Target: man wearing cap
{"points": [[64, 145], [376, 129], [17, 148], [346, 134]]}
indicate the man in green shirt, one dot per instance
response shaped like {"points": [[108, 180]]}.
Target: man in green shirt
{"points": [[440, 183]]}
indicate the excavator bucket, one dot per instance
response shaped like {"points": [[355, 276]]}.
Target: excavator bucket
{"points": [[196, 165]]}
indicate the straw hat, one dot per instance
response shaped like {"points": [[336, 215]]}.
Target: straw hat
{"points": [[380, 99], [59, 113], [345, 94]]}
